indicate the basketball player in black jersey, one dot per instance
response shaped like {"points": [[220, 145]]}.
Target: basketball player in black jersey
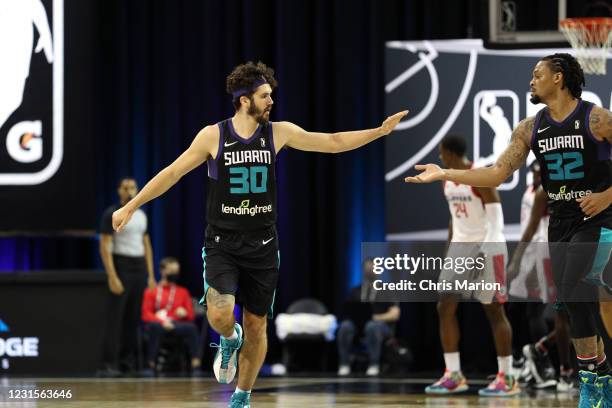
{"points": [[241, 246], [571, 140]]}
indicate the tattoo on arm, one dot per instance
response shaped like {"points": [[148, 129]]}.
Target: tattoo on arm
{"points": [[600, 123], [217, 300], [516, 153], [595, 122]]}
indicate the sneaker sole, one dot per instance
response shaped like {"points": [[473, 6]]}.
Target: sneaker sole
{"points": [[545, 384], [445, 391], [485, 393]]}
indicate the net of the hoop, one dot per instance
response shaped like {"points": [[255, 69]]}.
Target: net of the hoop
{"points": [[591, 39]]}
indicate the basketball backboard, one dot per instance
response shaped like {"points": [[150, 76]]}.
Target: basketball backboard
{"points": [[533, 24]]}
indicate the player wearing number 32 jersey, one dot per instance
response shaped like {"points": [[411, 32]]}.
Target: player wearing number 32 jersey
{"points": [[571, 141]]}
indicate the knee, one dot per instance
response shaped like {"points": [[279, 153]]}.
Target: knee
{"points": [[495, 312], [220, 317], [254, 326], [446, 309]]}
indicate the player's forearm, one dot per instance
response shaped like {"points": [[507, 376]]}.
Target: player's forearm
{"points": [[345, 141], [482, 177], [107, 260], [519, 251], [149, 259], [157, 186], [608, 193]]}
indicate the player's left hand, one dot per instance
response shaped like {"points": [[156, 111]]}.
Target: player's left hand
{"points": [[594, 203], [391, 122]]}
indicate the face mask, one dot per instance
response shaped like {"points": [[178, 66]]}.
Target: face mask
{"points": [[172, 278]]}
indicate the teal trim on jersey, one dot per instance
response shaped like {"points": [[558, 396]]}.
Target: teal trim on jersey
{"points": [[203, 300], [271, 311], [602, 256]]}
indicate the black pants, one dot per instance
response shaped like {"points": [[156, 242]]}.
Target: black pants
{"points": [[186, 330], [124, 312], [577, 248]]}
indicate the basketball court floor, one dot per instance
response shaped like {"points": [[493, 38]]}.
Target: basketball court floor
{"points": [[269, 392]]}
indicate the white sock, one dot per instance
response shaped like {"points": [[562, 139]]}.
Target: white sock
{"points": [[452, 361], [239, 390], [233, 336], [504, 364]]}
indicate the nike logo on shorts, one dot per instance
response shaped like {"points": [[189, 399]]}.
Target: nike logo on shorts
{"points": [[265, 241], [542, 130], [586, 218], [230, 144]]}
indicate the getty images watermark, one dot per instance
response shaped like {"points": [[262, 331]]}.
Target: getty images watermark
{"points": [[412, 264], [483, 272]]}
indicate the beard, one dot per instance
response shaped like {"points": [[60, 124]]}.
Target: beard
{"points": [[258, 114], [535, 99]]}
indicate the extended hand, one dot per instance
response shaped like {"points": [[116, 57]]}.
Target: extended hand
{"points": [[431, 172], [121, 217], [594, 203], [391, 122]]}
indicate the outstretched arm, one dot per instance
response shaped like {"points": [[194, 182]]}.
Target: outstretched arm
{"points": [[286, 133], [600, 123], [204, 145], [508, 162]]}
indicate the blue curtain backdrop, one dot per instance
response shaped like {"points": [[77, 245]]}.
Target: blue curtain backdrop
{"points": [[157, 76]]}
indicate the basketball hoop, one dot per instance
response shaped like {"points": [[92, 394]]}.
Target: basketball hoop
{"points": [[591, 37]]}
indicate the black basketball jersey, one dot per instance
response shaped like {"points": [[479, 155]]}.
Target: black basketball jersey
{"points": [[573, 163], [242, 180]]}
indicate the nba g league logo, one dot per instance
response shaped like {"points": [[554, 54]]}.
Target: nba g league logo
{"points": [[31, 80]]}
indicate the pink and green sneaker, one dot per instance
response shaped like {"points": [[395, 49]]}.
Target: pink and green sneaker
{"points": [[503, 386], [452, 382]]}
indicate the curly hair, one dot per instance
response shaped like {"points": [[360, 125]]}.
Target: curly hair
{"points": [[244, 77], [573, 76]]}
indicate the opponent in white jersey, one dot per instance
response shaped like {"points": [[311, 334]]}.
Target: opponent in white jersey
{"points": [[475, 232]]}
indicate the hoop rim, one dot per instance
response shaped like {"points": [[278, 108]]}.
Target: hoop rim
{"points": [[588, 22]]}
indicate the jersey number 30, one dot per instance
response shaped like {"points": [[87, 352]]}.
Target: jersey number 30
{"points": [[249, 180], [557, 170]]}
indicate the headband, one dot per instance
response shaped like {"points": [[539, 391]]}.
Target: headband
{"points": [[244, 91]]}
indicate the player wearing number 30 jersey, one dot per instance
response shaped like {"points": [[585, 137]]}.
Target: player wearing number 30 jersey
{"points": [[240, 254]]}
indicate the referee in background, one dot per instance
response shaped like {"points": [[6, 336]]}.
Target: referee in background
{"points": [[127, 258]]}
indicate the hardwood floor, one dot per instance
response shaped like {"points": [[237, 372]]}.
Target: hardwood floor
{"points": [[270, 392]]}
